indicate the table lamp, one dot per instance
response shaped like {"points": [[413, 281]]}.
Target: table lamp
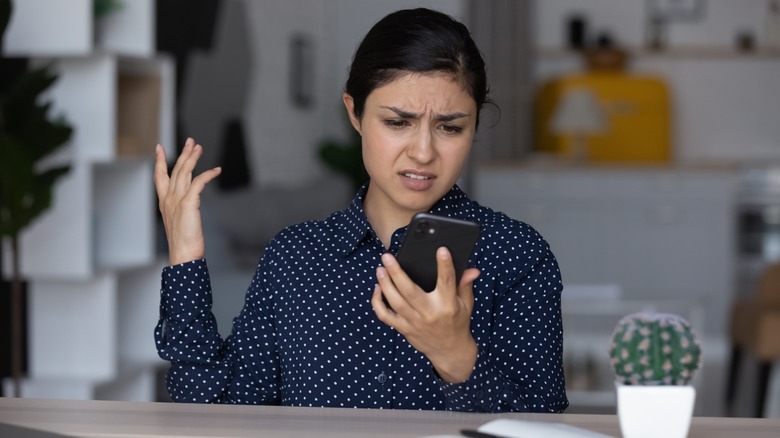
{"points": [[577, 115]]}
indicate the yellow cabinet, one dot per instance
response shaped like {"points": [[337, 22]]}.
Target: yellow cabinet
{"points": [[636, 110]]}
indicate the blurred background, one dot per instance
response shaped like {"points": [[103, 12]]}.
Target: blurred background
{"points": [[640, 137]]}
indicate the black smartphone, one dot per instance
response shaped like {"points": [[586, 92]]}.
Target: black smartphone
{"points": [[428, 232]]}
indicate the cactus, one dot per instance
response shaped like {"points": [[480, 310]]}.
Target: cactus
{"points": [[654, 349]]}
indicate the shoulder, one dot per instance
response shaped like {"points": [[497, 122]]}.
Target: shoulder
{"points": [[500, 231], [509, 248], [304, 236], [510, 251]]}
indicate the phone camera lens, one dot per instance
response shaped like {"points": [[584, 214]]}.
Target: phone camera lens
{"points": [[423, 229]]}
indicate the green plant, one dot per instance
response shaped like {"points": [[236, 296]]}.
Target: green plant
{"points": [[345, 158], [103, 7], [654, 349], [28, 137]]}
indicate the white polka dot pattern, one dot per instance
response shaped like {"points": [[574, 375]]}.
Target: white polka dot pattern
{"points": [[307, 335]]}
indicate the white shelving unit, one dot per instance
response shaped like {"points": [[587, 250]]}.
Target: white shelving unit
{"points": [[90, 260]]}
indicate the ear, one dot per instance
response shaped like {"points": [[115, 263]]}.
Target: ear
{"points": [[349, 103]]}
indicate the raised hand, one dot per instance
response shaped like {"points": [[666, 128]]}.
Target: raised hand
{"points": [[179, 201], [438, 324]]}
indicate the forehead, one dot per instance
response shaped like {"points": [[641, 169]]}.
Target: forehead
{"points": [[417, 90]]}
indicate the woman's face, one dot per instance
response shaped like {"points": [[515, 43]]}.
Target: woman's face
{"points": [[417, 132]]}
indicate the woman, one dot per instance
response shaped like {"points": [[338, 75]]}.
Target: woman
{"points": [[314, 330]]}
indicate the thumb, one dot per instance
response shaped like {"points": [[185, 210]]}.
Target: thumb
{"points": [[466, 287]]}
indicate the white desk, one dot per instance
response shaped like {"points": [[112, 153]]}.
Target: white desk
{"points": [[130, 419]]}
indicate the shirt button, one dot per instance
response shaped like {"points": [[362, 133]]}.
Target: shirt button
{"points": [[382, 378]]}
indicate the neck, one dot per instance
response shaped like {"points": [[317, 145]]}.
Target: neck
{"points": [[385, 224], [385, 219]]}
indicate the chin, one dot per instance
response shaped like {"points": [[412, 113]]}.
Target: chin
{"points": [[418, 204]]}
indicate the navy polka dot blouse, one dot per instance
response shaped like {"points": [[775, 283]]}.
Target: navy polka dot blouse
{"points": [[307, 334]]}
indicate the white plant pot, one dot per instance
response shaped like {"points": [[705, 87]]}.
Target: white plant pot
{"points": [[655, 411]]}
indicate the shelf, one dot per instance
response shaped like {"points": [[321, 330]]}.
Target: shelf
{"points": [[129, 31], [84, 93], [92, 338], [102, 218], [103, 210], [139, 301], [118, 105], [72, 328], [123, 215], [49, 28], [145, 105], [688, 53], [44, 28], [58, 244], [90, 260]]}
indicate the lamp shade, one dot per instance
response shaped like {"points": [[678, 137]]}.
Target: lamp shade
{"points": [[578, 112]]}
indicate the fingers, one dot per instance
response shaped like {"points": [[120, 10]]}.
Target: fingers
{"points": [[466, 287], [445, 270], [189, 145], [446, 274], [200, 181], [182, 177], [469, 276], [181, 186], [400, 290], [404, 296], [388, 290], [161, 179], [398, 287], [380, 308]]}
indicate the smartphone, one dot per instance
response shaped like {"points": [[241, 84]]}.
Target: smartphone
{"points": [[428, 232]]}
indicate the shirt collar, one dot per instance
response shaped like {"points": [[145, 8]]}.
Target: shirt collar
{"points": [[356, 226], [453, 204]]}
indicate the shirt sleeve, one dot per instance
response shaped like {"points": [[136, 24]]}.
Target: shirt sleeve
{"points": [[521, 369], [204, 367]]}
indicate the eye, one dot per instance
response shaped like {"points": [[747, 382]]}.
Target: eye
{"points": [[396, 123], [451, 129]]}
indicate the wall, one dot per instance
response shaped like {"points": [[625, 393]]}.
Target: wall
{"points": [[719, 22], [282, 135], [725, 104], [254, 36]]}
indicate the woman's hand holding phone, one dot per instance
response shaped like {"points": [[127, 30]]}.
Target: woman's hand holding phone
{"points": [[179, 202], [436, 323]]}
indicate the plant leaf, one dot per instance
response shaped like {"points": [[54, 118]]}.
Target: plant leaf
{"points": [[27, 135]]}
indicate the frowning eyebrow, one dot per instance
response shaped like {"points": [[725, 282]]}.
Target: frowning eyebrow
{"points": [[410, 115]]}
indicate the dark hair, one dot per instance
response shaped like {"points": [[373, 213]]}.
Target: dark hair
{"points": [[416, 40]]}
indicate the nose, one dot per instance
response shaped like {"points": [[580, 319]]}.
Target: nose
{"points": [[421, 149]]}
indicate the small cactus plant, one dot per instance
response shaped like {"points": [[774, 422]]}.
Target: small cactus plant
{"points": [[654, 349]]}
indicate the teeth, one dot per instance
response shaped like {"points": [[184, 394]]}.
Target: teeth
{"points": [[413, 176]]}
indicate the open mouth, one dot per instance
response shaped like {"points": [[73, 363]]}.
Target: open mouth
{"points": [[415, 176]]}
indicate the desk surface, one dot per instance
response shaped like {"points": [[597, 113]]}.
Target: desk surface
{"points": [[128, 419]]}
